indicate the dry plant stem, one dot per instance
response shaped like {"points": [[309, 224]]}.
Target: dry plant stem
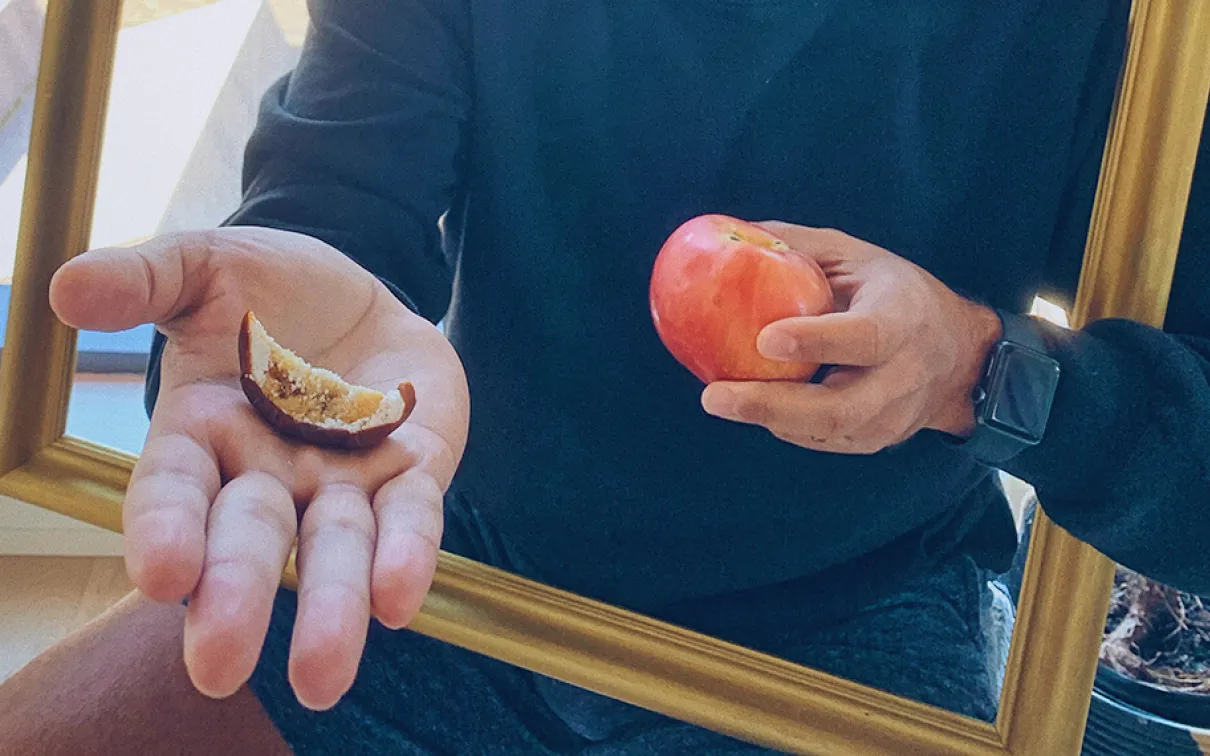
{"points": [[1156, 634]]}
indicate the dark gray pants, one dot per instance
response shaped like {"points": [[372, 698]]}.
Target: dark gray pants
{"points": [[942, 640]]}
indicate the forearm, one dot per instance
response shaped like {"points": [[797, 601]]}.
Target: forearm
{"points": [[403, 253], [360, 145]]}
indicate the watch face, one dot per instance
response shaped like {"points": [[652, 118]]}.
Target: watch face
{"points": [[1020, 392]]}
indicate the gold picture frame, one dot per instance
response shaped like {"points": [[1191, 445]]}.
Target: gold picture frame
{"points": [[1129, 262]]}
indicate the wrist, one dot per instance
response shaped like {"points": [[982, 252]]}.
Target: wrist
{"points": [[981, 329]]}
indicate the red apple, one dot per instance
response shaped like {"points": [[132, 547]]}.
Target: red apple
{"points": [[717, 282]]}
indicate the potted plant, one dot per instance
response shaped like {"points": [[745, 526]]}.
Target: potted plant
{"points": [[1152, 693]]}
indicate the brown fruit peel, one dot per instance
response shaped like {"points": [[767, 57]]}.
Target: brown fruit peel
{"points": [[313, 404]]}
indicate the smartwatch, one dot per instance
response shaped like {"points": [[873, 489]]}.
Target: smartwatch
{"points": [[1014, 396]]}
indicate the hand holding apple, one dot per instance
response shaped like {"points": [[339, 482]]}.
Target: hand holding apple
{"points": [[907, 353]]}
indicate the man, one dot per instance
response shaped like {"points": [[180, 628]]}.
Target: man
{"points": [[850, 524]]}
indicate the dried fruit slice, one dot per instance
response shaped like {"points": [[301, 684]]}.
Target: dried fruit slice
{"points": [[311, 403]]}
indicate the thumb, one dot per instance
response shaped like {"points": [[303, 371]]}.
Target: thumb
{"points": [[853, 337], [117, 288]]}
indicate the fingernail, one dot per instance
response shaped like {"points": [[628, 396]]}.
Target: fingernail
{"points": [[776, 345], [720, 402]]}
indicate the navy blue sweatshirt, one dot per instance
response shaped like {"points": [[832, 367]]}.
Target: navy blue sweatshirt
{"points": [[563, 141]]}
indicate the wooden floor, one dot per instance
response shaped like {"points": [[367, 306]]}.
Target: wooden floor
{"points": [[43, 599]]}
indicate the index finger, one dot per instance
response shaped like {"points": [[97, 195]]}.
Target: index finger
{"points": [[856, 339], [164, 514]]}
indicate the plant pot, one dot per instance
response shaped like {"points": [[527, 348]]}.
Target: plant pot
{"points": [[1127, 717]]}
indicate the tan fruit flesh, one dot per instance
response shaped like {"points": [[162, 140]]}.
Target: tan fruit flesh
{"points": [[305, 397]]}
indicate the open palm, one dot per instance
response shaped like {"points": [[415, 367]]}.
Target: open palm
{"points": [[217, 498]]}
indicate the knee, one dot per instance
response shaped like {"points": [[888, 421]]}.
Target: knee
{"points": [[95, 682], [120, 686]]}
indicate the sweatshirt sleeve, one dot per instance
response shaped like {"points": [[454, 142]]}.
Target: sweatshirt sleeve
{"points": [[1125, 464], [361, 145]]}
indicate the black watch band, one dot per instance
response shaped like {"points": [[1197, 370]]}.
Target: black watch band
{"points": [[1014, 395], [1022, 330]]}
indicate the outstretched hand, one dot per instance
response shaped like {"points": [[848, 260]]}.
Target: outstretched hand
{"points": [[217, 498]]}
